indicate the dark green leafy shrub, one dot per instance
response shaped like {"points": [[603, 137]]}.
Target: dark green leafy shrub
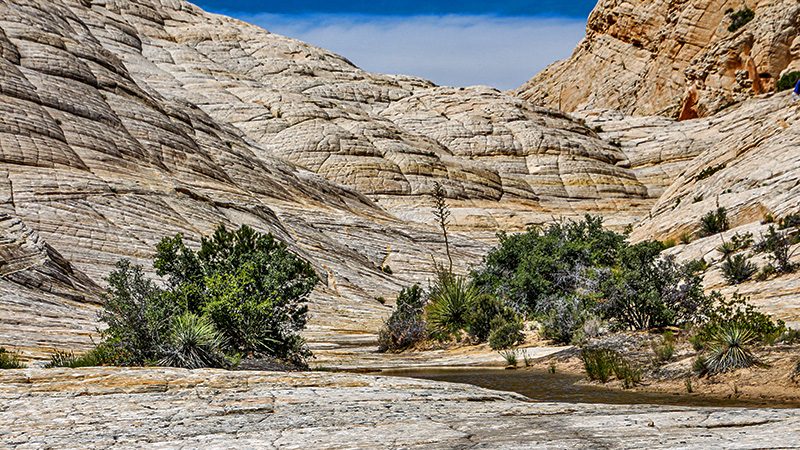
{"points": [[138, 315], [247, 284], [790, 221], [777, 244], [787, 81], [505, 333], [10, 360], [483, 312], [741, 18], [729, 349], [387, 270], [194, 343], [406, 326], [528, 268], [709, 171], [738, 311], [648, 291], [738, 269], [714, 222], [697, 266]]}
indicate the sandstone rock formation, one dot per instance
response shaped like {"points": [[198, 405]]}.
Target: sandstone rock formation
{"points": [[674, 58], [128, 120], [165, 408]]}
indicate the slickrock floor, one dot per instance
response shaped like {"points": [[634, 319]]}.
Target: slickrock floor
{"points": [[170, 408]]}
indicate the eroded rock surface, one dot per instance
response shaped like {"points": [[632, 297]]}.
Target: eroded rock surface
{"points": [[165, 408], [674, 58]]}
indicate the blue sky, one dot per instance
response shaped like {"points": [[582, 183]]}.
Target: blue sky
{"points": [[456, 43]]}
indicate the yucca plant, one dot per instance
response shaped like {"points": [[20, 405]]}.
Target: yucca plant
{"points": [[738, 269], [194, 343], [450, 300], [10, 360], [729, 350]]}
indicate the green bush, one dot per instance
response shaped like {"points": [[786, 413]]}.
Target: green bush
{"points": [[714, 222], [450, 300], [777, 244], [738, 311], [665, 349], [406, 326], [101, 355], [247, 284], [545, 262], [787, 81], [729, 350], [790, 221], [738, 269], [647, 291], [483, 312], [505, 333], [194, 343], [10, 360], [741, 18], [564, 319]]}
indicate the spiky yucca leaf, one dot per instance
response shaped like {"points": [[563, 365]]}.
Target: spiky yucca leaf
{"points": [[729, 349], [450, 300], [194, 343]]}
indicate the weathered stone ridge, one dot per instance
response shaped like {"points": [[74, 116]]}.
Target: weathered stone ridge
{"points": [[674, 58], [217, 409]]}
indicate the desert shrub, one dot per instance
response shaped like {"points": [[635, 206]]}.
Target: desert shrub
{"points": [[739, 312], [10, 360], [505, 333], [698, 341], [600, 364], [194, 343], [729, 349], [700, 366], [450, 299], [510, 356], [646, 290], [741, 18], [685, 238], [483, 312], [406, 326], [626, 372], [714, 222], [737, 243], [696, 266], [101, 355], [665, 349], [777, 244], [787, 81], [790, 221], [387, 270], [709, 171], [564, 319], [247, 284], [766, 272], [738, 269], [546, 262], [137, 314]]}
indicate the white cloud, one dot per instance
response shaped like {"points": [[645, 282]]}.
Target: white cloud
{"points": [[449, 50]]}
